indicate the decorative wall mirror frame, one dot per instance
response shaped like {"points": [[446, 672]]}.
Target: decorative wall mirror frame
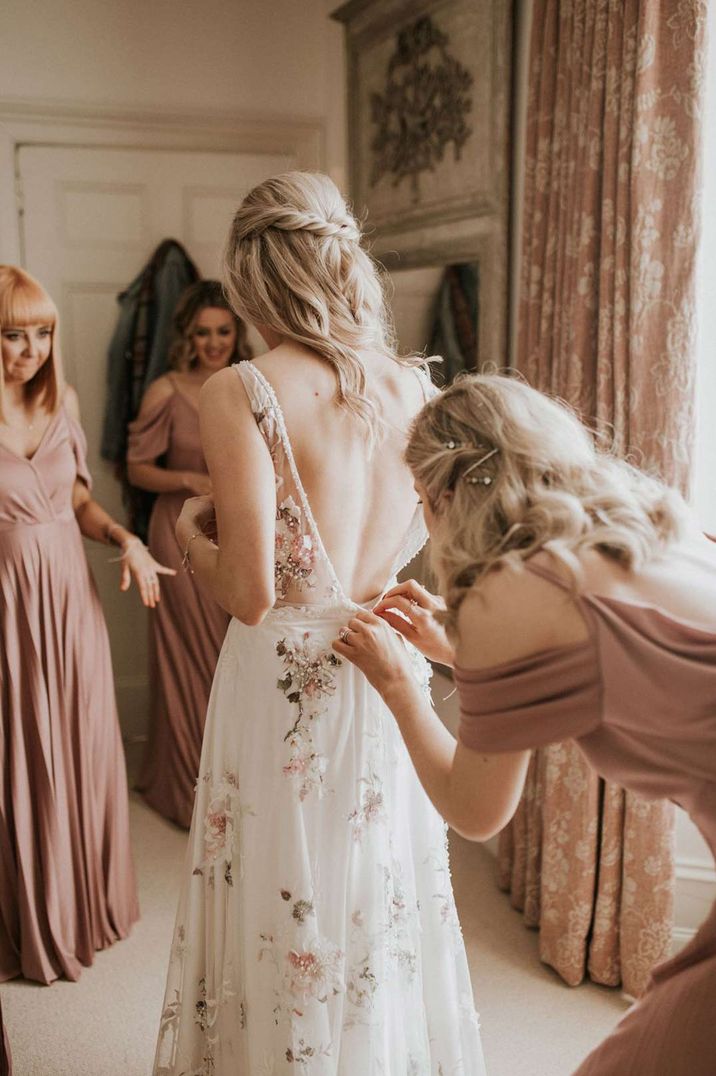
{"points": [[429, 167]]}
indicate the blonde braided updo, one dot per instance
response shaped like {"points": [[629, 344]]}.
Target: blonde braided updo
{"points": [[294, 263], [510, 471]]}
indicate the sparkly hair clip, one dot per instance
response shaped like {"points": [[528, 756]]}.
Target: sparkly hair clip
{"points": [[483, 480]]}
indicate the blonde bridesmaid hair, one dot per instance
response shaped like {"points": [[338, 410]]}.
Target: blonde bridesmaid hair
{"points": [[510, 471], [294, 263], [24, 301]]}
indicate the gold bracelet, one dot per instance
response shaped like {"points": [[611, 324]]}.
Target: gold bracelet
{"points": [[186, 563]]}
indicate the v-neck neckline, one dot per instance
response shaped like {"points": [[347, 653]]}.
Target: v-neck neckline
{"points": [[40, 443], [187, 399]]}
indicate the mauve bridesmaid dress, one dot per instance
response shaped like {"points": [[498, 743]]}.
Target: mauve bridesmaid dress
{"points": [[187, 627], [639, 699], [66, 877], [5, 1059]]}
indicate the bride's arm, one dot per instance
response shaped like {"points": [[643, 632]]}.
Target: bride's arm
{"points": [[238, 572]]}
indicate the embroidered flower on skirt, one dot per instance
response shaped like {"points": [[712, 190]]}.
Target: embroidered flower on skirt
{"points": [[308, 680]]}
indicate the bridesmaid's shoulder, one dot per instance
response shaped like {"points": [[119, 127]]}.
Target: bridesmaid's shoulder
{"points": [[71, 402], [513, 613], [158, 392]]}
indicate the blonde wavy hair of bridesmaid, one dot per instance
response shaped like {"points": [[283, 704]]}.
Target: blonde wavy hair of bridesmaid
{"points": [[294, 263], [509, 471], [24, 301]]}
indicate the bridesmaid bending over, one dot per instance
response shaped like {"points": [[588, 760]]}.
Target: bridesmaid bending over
{"points": [[188, 628], [579, 600], [66, 877]]}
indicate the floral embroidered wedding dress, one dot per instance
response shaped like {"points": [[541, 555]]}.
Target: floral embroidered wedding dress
{"points": [[316, 932]]}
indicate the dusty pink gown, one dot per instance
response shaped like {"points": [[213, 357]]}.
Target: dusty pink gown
{"points": [[639, 698], [66, 877], [187, 628], [5, 1058]]}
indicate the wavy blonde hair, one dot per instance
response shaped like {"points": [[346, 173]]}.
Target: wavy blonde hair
{"points": [[294, 263], [24, 301], [545, 487]]}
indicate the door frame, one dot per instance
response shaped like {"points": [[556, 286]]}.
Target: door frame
{"points": [[26, 122], [84, 126]]}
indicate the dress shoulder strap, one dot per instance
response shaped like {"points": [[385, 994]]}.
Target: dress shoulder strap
{"points": [[256, 391], [549, 574]]}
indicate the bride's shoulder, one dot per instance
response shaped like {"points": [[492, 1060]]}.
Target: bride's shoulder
{"points": [[221, 394]]}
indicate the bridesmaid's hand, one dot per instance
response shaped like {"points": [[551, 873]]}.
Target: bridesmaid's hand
{"points": [[376, 650], [139, 564], [196, 516], [198, 484], [415, 620]]}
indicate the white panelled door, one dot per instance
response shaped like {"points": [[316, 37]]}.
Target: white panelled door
{"points": [[90, 220]]}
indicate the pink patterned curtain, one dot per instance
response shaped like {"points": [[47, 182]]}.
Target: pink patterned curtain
{"points": [[606, 321]]}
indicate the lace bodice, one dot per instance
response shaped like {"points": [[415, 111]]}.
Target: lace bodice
{"points": [[304, 573]]}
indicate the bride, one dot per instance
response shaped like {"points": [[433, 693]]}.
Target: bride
{"points": [[316, 931]]}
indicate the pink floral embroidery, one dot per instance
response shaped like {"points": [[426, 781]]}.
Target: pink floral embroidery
{"points": [[371, 806], [308, 679], [215, 824], [314, 972], [295, 556], [222, 826]]}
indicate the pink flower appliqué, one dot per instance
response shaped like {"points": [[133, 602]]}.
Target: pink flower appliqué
{"points": [[315, 971]]}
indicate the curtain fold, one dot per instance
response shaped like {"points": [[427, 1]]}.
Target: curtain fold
{"points": [[606, 322]]}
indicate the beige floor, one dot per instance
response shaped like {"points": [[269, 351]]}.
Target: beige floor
{"points": [[105, 1024]]}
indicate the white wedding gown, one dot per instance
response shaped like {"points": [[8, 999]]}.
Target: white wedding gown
{"points": [[316, 932]]}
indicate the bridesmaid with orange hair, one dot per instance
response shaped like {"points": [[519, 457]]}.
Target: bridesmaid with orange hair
{"points": [[66, 877]]}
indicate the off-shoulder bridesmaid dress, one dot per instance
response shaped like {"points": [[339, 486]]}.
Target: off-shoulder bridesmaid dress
{"points": [[187, 628]]}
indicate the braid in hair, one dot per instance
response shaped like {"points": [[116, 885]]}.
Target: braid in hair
{"points": [[294, 262]]}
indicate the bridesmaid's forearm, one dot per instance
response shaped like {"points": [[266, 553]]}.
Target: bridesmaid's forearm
{"points": [[430, 745], [99, 526], [476, 793], [157, 479]]}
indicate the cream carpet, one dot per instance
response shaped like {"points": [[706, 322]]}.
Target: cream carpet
{"points": [[106, 1024]]}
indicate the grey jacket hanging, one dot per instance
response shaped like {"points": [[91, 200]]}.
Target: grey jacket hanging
{"points": [[138, 351]]}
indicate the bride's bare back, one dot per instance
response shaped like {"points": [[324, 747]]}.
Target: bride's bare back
{"points": [[362, 501]]}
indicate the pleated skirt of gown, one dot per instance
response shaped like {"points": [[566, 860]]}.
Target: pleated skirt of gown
{"points": [[186, 631], [67, 884]]}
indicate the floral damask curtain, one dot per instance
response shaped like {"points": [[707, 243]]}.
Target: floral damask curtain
{"points": [[606, 321]]}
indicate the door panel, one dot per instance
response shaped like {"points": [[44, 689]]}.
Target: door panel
{"points": [[91, 219]]}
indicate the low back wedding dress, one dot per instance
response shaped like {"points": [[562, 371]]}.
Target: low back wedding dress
{"points": [[316, 932]]}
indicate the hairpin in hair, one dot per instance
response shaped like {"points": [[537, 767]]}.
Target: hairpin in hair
{"points": [[484, 480]]}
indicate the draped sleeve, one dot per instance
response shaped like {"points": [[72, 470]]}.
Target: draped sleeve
{"points": [[149, 434], [78, 443], [545, 698]]}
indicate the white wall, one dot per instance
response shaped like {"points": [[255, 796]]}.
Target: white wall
{"points": [[282, 58]]}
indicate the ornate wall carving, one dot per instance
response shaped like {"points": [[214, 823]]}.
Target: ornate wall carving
{"points": [[429, 95]]}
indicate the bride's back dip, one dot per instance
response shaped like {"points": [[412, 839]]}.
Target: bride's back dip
{"points": [[316, 931]]}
